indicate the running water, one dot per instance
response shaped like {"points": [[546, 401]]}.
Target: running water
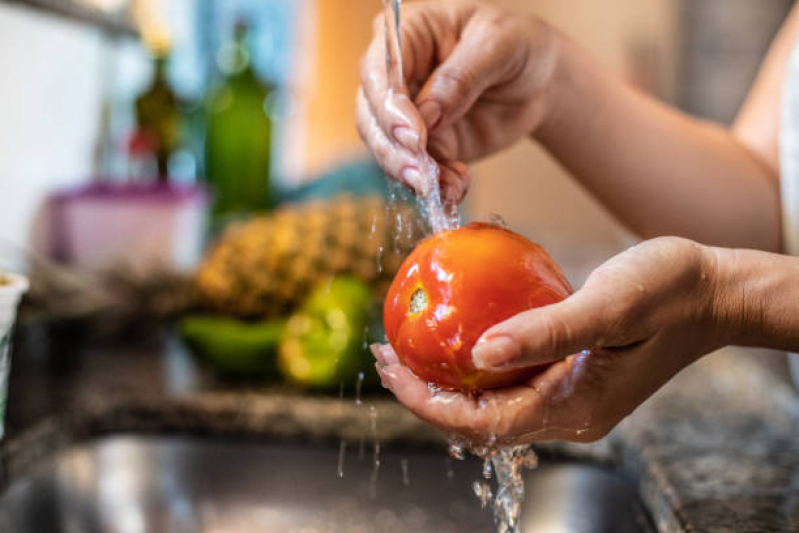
{"points": [[505, 465], [440, 218]]}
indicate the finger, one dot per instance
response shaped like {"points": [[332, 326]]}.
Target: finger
{"points": [[545, 334], [396, 114], [398, 162], [475, 64], [384, 354], [502, 414], [454, 181]]}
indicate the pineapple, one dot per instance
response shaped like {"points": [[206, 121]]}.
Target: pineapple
{"points": [[262, 267]]}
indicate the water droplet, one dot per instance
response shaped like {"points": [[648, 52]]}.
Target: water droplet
{"points": [[375, 471], [373, 420], [487, 468], [456, 452], [483, 493], [450, 470], [358, 387], [342, 450], [376, 455], [497, 220]]}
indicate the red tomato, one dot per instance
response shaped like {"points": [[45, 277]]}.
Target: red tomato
{"points": [[452, 288]]}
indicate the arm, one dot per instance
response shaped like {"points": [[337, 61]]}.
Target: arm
{"points": [[658, 170], [662, 172]]}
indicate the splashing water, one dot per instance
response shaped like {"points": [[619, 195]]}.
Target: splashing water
{"points": [[506, 465]]}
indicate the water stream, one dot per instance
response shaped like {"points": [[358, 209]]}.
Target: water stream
{"points": [[504, 464]]}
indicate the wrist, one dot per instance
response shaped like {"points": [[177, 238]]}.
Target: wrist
{"points": [[573, 84], [752, 297], [556, 82]]}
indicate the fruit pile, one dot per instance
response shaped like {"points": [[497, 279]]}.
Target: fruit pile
{"points": [[264, 267], [294, 293]]}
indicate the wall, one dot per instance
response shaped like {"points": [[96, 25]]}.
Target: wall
{"points": [[49, 113]]}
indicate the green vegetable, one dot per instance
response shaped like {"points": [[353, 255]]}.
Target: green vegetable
{"points": [[324, 340], [234, 348]]}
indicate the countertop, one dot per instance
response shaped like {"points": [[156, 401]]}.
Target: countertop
{"points": [[715, 450]]}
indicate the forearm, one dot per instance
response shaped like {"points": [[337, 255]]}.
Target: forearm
{"points": [[659, 171], [756, 298]]}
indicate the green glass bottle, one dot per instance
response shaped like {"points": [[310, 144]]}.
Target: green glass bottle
{"points": [[238, 135], [159, 118]]}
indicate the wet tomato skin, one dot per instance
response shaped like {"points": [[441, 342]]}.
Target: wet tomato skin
{"points": [[452, 288]]}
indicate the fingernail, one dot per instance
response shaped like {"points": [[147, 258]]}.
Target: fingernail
{"points": [[412, 177], [407, 138], [495, 353], [431, 114], [386, 376], [378, 354]]}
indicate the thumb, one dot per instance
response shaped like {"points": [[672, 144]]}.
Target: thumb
{"points": [[456, 84], [545, 334]]}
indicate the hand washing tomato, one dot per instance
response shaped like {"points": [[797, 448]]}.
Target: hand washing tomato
{"points": [[452, 288]]}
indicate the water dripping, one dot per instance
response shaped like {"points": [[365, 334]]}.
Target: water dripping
{"points": [[406, 479], [450, 470], [375, 471], [358, 387], [342, 451]]}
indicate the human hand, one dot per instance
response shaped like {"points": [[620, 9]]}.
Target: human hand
{"points": [[478, 79], [645, 314]]}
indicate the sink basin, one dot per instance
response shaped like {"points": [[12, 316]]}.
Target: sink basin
{"points": [[136, 484]]}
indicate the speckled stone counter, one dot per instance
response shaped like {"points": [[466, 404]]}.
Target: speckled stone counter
{"points": [[715, 450]]}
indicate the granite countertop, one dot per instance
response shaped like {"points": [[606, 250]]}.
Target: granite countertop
{"points": [[717, 449]]}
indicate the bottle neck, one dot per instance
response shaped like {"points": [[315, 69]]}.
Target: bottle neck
{"points": [[161, 67]]}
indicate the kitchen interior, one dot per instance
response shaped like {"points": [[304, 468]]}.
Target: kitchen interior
{"points": [[207, 243]]}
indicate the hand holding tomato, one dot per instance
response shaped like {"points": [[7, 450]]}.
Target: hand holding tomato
{"points": [[645, 314], [453, 287]]}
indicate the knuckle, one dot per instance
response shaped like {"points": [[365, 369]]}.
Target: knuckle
{"points": [[557, 334], [455, 79], [622, 315]]}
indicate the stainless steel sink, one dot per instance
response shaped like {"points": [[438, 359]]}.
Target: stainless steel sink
{"points": [[131, 484]]}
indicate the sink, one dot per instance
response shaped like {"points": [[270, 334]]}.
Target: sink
{"points": [[138, 484]]}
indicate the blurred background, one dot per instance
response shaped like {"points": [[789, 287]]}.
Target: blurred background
{"points": [[213, 143], [78, 76]]}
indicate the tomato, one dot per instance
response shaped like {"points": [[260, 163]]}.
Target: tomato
{"points": [[453, 287]]}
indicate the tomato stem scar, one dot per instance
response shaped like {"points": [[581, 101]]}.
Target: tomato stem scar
{"points": [[418, 301]]}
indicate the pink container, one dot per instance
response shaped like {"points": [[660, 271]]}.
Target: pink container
{"points": [[142, 227]]}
